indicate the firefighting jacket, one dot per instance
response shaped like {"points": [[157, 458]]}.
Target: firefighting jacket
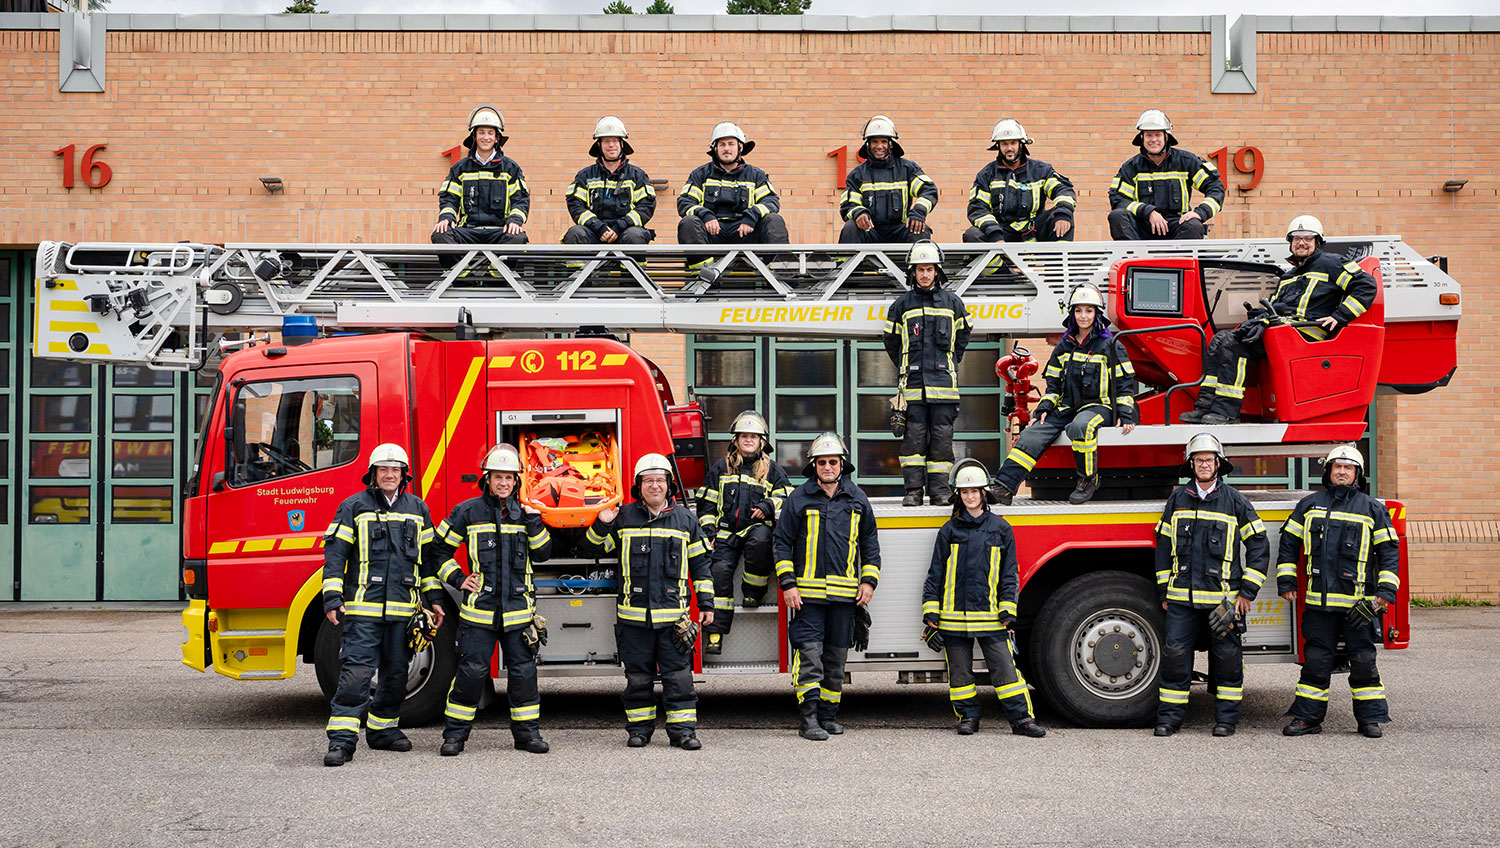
{"points": [[602, 199], [973, 581], [1143, 187], [926, 334], [659, 557], [1198, 547], [504, 540], [486, 195], [375, 549], [1095, 373], [1323, 285], [1011, 198], [1339, 528], [826, 546], [728, 498], [889, 190], [741, 196]]}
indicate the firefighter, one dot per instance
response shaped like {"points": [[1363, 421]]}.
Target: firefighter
{"points": [[827, 562], [926, 333], [886, 197], [970, 594], [504, 538], [1090, 384], [1149, 196], [611, 200], [728, 200], [1007, 200], [738, 507], [485, 199], [662, 552], [1353, 561], [374, 546], [1320, 289], [1202, 583]]}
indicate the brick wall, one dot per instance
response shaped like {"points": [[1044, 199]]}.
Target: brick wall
{"points": [[1361, 129]]}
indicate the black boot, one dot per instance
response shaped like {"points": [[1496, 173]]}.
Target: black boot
{"points": [[533, 744], [1193, 416], [1371, 730], [714, 644], [638, 739], [913, 498], [1165, 729], [939, 493], [1001, 495], [942, 498], [398, 743], [1028, 727], [1223, 728], [1085, 489], [338, 755], [687, 741], [1302, 727], [452, 747], [1216, 418], [836, 729], [810, 727], [750, 601], [968, 726]]}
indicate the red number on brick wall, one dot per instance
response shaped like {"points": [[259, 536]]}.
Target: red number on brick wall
{"points": [[841, 161], [95, 174], [455, 153], [1247, 160]]}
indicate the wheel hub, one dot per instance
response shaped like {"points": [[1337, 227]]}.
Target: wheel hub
{"points": [[1115, 653]]}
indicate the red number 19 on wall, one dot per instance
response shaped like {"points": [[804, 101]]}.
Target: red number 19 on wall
{"points": [[1247, 160]]}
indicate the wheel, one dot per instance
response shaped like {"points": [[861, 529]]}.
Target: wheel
{"points": [[1096, 650], [428, 676]]}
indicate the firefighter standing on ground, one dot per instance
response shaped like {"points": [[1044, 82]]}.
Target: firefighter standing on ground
{"points": [[611, 200], [970, 594], [926, 333], [662, 557], [1319, 288], [374, 547], [1090, 383], [485, 199], [1007, 199], [827, 562], [728, 200], [504, 538], [1353, 562], [1149, 197], [886, 197], [1199, 576], [742, 496]]}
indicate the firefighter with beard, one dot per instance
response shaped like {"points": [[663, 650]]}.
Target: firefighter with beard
{"points": [[504, 538], [1009, 194], [728, 200], [1203, 584], [662, 558], [827, 562], [1353, 572], [373, 548], [886, 197], [741, 498]]}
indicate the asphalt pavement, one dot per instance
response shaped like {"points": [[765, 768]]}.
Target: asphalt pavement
{"points": [[109, 740]]}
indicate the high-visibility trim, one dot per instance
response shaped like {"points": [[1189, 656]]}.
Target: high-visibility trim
{"points": [[1021, 458], [334, 585], [1368, 693], [1230, 693], [1286, 569], [756, 580], [641, 714], [459, 712], [485, 618], [531, 712], [375, 722], [681, 716], [1172, 696], [1312, 693], [345, 723], [1011, 690], [963, 693], [721, 603], [831, 696]]}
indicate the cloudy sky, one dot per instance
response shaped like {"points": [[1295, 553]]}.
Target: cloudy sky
{"points": [[1232, 8]]}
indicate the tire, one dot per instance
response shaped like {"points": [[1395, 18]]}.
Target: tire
{"points": [[1071, 667], [429, 674]]}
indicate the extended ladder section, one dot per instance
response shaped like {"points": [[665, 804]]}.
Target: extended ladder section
{"points": [[160, 305]]}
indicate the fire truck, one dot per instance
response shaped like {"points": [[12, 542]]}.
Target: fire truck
{"points": [[381, 343]]}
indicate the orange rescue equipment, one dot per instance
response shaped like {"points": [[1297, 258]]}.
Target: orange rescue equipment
{"points": [[571, 478]]}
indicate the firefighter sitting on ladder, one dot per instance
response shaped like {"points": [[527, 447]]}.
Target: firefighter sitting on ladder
{"points": [[485, 199], [886, 198], [741, 498], [970, 594], [1353, 563], [1149, 195], [1203, 584], [611, 200], [727, 200], [1005, 203], [926, 333], [1090, 383], [504, 538], [662, 557], [1319, 288], [375, 542]]}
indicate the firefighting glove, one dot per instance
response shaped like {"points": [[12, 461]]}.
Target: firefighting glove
{"points": [[898, 410], [1007, 620], [1222, 619], [1361, 614], [421, 629], [535, 635], [685, 633], [1251, 332], [933, 637], [861, 629]]}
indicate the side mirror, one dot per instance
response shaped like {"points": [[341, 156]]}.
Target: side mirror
{"points": [[217, 484]]}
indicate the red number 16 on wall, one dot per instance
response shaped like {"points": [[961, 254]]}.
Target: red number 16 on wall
{"points": [[1247, 160], [95, 173]]}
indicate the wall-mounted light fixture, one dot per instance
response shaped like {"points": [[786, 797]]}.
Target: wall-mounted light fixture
{"points": [[274, 184], [1454, 185]]}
